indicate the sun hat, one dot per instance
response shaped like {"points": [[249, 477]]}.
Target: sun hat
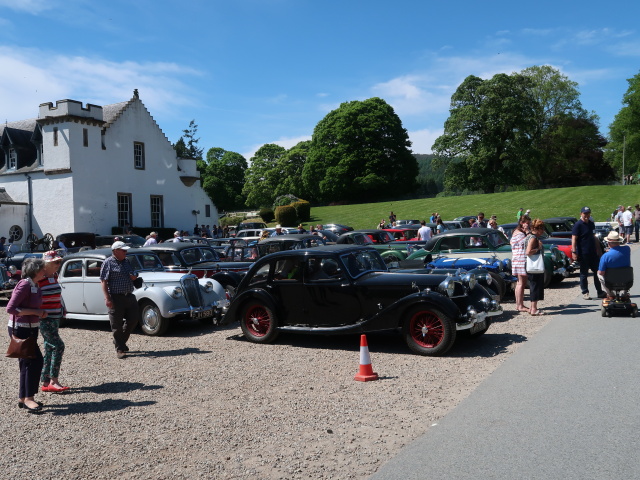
{"points": [[613, 236], [120, 246], [51, 256], [278, 226]]}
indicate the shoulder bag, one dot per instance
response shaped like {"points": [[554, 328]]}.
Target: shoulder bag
{"points": [[21, 347], [535, 262]]}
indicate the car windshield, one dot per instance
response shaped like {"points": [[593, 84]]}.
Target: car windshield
{"points": [[195, 255], [359, 263], [146, 262]]}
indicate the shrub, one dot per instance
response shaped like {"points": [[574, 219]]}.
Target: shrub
{"points": [[282, 200], [303, 210], [267, 214], [228, 221], [286, 216]]}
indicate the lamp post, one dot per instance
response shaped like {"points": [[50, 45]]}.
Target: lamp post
{"points": [[196, 212]]}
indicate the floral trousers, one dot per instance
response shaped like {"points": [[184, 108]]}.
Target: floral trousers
{"points": [[53, 347]]}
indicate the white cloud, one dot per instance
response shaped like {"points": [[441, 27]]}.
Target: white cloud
{"points": [[29, 6], [422, 140], [38, 76]]}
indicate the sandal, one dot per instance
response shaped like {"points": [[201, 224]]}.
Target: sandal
{"points": [[524, 310], [537, 313]]}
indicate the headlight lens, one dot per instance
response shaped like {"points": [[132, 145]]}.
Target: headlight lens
{"points": [[447, 286], [470, 280], [507, 264], [208, 287], [177, 292]]}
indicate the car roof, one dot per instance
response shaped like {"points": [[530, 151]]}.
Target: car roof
{"points": [[324, 250], [466, 231], [558, 219], [293, 237], [172, 246]]}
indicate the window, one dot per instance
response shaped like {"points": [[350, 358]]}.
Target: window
{"points": [[93, 268], [207, 210], [157, 217], [55, 136], [40, 157], [138, 155], [124, 209], [13, 159], [85, 137]]}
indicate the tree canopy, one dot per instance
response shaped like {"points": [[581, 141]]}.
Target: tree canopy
{"points": [[223, 178], [262, 177], [359, 151], [624, 131]]}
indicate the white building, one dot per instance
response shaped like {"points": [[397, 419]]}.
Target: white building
{"points": [[88, 169]]}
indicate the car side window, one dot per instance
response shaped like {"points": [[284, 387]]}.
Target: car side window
{"points": [[261, 274], [287, 269], [73, 269], [450, 243], [134, 260], [93, 268]]}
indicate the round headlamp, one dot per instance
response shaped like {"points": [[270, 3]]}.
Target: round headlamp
{"points": [[447, 286], [470, 280], [208, 287], [176, 292]]}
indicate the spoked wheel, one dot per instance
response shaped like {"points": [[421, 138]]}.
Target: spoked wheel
{"points": [[258, 323], [32, 240], [427, 331], [48, 241]]}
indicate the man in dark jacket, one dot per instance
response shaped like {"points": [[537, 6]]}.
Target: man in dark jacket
{"points": [[585, 247]]}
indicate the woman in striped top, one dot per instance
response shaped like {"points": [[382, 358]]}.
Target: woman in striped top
{"points": [[519, 260], [53, 344]]}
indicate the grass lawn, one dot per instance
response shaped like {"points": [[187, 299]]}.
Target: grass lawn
{"points": [[543, 204]]}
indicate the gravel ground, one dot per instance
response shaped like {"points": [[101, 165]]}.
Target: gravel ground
{"points": [[203, 402]]}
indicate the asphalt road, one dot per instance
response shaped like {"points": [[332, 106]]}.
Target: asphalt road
{"points": [[565, 406]]}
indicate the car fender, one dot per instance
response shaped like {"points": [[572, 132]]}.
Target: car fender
{"points": [[161, 297], [235, 309], [227, 278], [398, 309]]}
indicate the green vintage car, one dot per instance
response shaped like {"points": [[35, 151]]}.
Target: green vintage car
{"points": [[472, 241]]}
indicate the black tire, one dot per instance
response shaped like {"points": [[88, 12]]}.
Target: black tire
{"points": [[427, 331], [48, 241], [258, 323], [151, 320], [497, 284]]}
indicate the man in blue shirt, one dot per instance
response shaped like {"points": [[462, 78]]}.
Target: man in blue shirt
{"points": [[585, 248], [618, 256]]}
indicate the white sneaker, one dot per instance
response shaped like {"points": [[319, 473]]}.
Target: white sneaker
{"points": [[586, 296]]}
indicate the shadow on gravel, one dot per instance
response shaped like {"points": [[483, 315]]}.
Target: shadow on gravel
{"points": [[81, 408], [392, 342], [168, 353], [115, 387]]}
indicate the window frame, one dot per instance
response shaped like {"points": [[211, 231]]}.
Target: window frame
{"points": [[159, 221], [120, 197], [138, 157], [12, 163]]}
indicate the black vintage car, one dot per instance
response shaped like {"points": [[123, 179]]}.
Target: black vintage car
{"points": [[341, 289]]}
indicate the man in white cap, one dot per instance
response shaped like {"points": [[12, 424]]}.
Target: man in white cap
{"points": [[152, 240], [117, 278], [278, 231], [627, 223], [618, 256]]}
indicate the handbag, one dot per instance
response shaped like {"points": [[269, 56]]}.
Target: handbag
{"points": [[22, 347]]}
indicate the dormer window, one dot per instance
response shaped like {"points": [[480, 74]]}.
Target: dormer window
{"points": [[13, 159]]}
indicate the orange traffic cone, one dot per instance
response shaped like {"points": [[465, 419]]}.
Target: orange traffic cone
{"points": [[366, 371]]}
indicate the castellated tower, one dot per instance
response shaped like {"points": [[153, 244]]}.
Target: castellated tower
{"points": [[70, 133]]}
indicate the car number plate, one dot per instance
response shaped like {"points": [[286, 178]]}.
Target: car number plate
{"points": [[202, 314], [478, 326]]}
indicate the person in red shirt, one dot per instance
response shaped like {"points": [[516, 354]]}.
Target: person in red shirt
{"points": [[51, 302]]}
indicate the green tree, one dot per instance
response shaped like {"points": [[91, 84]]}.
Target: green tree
{"points": [[624, 132], [491, 128], [289, 170], [261, 178], [359, 151], [223, 178], [562, 153]]}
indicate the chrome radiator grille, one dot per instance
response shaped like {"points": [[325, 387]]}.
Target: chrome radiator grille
{"points": [[191, 289]]}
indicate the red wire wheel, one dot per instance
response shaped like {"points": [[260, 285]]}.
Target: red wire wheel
{"points": [[428, 331], [259, 324]]}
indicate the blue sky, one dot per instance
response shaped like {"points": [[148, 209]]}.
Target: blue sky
{"points": [[252, 72]]}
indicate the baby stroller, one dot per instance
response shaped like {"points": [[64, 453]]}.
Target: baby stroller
{"points": [[619, 281]]}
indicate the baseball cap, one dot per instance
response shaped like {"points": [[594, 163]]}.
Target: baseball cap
{"points": [[585, 210], [120, 246]]}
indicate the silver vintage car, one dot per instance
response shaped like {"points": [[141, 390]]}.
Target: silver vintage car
{"points": [[164, 296]]}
